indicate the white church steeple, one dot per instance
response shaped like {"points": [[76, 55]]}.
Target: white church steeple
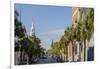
{"points": [[32, 30]]}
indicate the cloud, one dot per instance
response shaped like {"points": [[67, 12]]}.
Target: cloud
{"points": [[54, 32]]}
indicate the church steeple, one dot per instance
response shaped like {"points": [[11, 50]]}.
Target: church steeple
{"points": [[32, 33]]}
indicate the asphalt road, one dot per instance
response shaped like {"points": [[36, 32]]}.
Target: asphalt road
{"points": [[46, 60]]}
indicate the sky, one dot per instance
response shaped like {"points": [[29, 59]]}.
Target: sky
{"points": [[50, 21]]}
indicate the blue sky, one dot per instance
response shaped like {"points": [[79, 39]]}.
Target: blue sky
{"points": [[50, 21]]}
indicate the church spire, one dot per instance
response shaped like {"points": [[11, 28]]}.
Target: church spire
{"points": [[32, 33]]}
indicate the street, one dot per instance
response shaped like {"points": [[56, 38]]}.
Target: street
{"points": [[46, 60]]}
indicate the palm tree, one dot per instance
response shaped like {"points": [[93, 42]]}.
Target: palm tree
{"points": [[85, 30], [89, 27], [79, 38], [63, 46], [69, 33]]}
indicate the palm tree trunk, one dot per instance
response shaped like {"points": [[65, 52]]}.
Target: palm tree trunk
{"points": [[30, 57], [84, 50], [73, 50], [79, 51], [87, 45], [66, 54]]}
